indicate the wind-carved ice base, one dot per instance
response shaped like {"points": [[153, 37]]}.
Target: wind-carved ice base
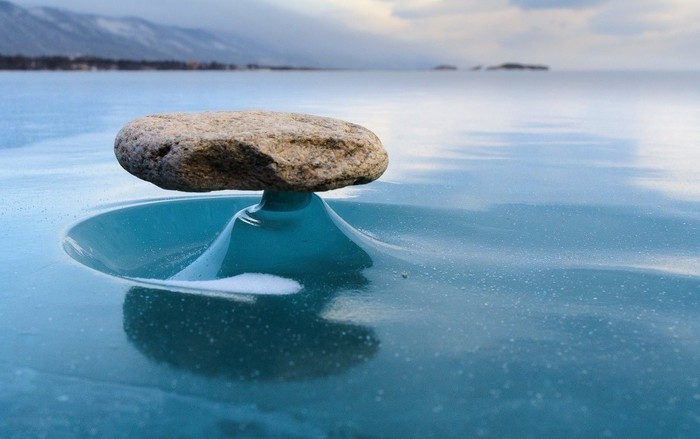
{"points": [[288, 234]]}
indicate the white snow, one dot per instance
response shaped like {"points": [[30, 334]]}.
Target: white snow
{"points": [[40, 13], [134, 31], [246, 283], [115, 26]]}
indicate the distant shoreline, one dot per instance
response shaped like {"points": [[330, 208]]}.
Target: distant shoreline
{"points": [[93, 63], [64, 63]]}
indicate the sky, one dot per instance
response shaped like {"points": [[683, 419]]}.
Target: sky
{"points": [[564, 34]]}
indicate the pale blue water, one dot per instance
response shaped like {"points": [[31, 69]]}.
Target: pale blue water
{"points": [[548, 225]]}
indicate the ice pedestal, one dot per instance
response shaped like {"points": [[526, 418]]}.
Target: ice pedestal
{"points": [[288, 234]]}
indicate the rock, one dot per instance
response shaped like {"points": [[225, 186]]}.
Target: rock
{"points": [[249, 150]]}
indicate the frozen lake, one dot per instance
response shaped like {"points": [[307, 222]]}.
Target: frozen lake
{"points": [[544, 278]]}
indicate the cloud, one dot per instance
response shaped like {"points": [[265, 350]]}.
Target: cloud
{"points": [[328, 42], [410, 10], [644, 16], [556, 4], [623, 19], [493, 32], [366, 15], [583, 34]]}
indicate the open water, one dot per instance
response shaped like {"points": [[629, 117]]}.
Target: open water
{"points": [[543, 278]]}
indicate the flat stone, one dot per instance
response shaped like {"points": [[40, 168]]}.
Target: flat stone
{"points": [[249, 150]]}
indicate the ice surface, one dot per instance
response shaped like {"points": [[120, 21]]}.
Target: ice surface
{"points": [[550, 293]]}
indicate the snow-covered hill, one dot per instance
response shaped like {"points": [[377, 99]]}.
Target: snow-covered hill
{"points": [[50, 31]]}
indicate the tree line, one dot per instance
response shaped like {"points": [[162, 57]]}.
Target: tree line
{"points": [[77, 63]]}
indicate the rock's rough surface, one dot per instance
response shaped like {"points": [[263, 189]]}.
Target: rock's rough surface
{"points": [[249, 150]]}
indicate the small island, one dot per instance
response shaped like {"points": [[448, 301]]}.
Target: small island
{"points": [[518, 66], [445, 67]]}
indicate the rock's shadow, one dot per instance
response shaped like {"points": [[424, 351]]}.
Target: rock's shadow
{"points": [[260, 338]]}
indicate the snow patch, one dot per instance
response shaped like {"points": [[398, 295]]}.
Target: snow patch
{"points": [[133, 31], [41, 14], [246, 283], [114, 26]]}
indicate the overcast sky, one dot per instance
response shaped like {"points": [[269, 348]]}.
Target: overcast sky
{"points": [[565, 34]]}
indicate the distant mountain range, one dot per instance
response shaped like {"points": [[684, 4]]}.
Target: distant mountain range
{"points": [[36, 31]]}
